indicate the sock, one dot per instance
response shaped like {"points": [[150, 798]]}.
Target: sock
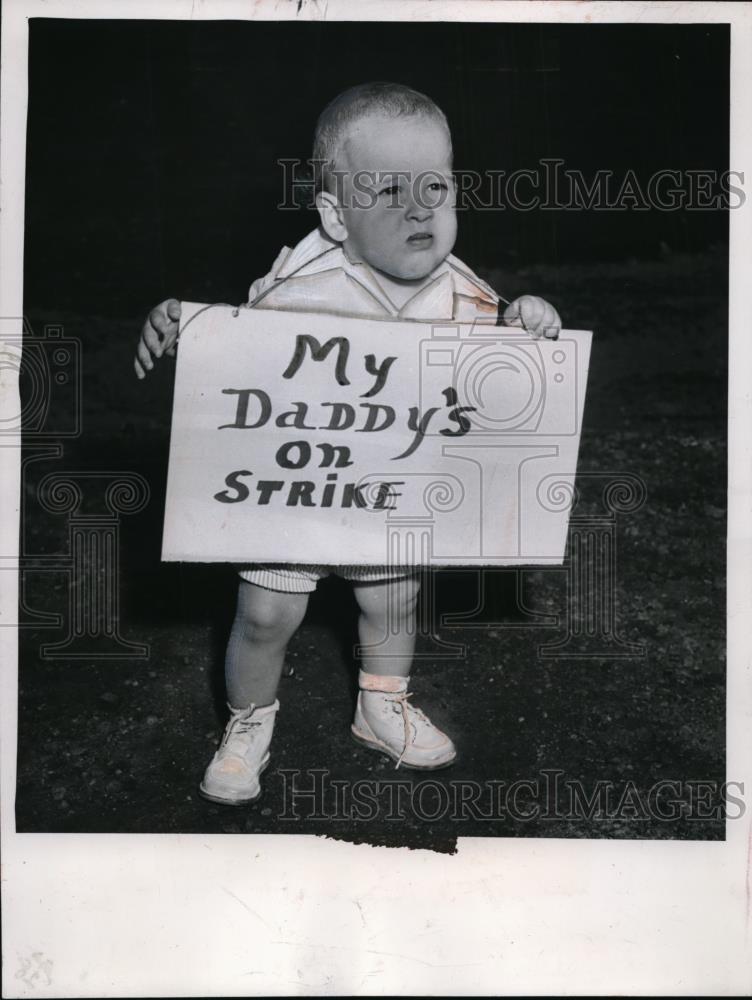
{"points": [[384, 683]]}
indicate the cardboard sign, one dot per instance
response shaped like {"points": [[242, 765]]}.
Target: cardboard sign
{"points": [[308, 438]]}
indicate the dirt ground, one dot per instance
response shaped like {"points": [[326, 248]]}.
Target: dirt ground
{"points": [[119, 745]]}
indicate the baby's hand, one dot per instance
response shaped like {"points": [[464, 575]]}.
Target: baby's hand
{"points": [[158, 337], [536, 316]]}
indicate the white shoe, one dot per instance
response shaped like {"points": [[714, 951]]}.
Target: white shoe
{"points": [[386, 721], [232, 778]]}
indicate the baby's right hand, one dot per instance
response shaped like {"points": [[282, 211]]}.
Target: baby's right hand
{"points": [[158, 337]]}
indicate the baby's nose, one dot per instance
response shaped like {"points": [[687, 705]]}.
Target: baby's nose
{"points": [[418, 208]]}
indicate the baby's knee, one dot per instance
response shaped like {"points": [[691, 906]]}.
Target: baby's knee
{"points": [[395, 599], [270, 613]]}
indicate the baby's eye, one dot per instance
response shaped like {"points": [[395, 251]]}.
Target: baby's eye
{"points": [[438, 186], [391, 190]]}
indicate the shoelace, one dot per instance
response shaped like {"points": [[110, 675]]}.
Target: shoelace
{"points": [[402, 701], [240, 725]]}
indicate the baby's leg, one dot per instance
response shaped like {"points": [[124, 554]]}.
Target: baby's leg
{"points": [[384, 718], [264, 623], [387, 625]]}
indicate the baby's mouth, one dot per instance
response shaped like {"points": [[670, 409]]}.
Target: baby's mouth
{"points": [[420, 239]]}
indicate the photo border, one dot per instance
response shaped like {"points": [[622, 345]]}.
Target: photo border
{"points": [[191, 915]]}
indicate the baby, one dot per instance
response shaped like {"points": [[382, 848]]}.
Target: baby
{"points": [[386, 203]]}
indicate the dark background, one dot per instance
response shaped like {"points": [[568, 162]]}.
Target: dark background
{"points": [[151, 171], [153, 146]]}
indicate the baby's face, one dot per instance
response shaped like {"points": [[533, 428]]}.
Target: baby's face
{"points": [[397, 195]]}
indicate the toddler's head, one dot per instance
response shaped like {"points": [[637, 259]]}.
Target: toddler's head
{"points": [[383, 154]]}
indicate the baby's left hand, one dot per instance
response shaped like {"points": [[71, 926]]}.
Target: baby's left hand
{"points": [[536, 316]]}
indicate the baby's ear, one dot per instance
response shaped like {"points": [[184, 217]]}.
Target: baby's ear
{"points": [[330, 213]]}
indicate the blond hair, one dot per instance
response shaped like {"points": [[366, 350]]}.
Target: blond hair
{"points": [[392, 100]]}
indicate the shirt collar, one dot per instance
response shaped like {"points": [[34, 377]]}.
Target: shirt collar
{"points": [[317, 253]]}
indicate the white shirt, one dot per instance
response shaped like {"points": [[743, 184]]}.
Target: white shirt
{"points": [[316, 276]]}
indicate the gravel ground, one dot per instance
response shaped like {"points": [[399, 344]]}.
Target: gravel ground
{"points": [[120, 745]]}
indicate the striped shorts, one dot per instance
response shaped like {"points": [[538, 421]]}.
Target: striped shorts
{"points": [[303, 579]]}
